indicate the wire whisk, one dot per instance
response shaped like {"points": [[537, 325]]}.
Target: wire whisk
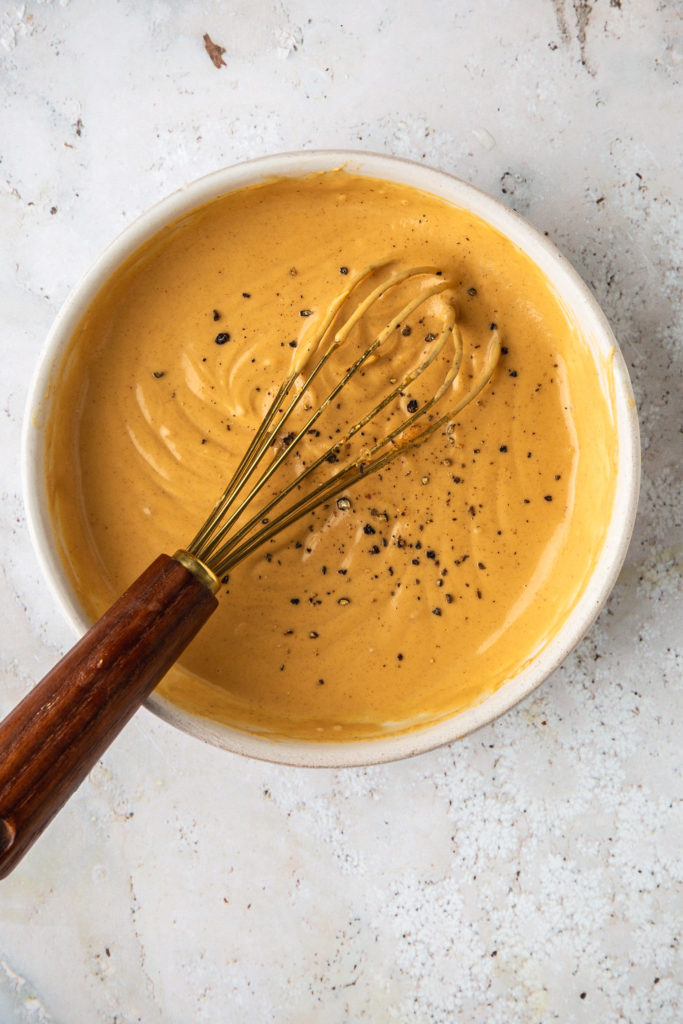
{"points": [[57, 733]]}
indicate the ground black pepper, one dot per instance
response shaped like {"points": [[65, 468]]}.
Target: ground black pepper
{"points": [[221, 338]]}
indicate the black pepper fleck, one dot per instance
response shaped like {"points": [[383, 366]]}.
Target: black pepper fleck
{"points": [[222, 338]]}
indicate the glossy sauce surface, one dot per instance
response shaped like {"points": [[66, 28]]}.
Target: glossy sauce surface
{"points": [[432, 582]]}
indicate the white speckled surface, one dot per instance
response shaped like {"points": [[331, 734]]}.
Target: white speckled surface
{"points": [[529, 873]]}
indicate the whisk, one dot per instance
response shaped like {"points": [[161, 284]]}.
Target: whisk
{"points": [[52, 739]]}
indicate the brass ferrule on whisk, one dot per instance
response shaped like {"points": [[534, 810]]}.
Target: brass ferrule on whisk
{"points": [[198, 569]]}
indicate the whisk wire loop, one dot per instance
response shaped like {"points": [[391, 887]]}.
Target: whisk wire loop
{"points": [[350, 475], [339, 443]]}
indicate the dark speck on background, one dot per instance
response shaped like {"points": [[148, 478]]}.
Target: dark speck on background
{"points": [[214, 51]]}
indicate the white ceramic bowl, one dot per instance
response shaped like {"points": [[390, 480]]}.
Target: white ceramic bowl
{"points": [[584, 311]]}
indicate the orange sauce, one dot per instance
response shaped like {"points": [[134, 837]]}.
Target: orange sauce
{"points": [[447, 571]]}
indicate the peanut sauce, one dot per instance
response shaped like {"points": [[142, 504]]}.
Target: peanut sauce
{"points": [[428, 585]]}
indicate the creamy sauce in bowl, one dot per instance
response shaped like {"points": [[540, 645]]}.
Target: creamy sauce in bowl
{"points": [[435, 582]]}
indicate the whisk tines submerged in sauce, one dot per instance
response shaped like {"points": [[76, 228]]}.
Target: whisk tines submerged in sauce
{"points": [[408, 387]]}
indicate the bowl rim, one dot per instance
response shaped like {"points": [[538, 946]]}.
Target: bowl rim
{"points": [[572, 291]]}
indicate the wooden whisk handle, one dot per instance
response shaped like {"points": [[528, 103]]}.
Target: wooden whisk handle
{"points": [[52, 739]]}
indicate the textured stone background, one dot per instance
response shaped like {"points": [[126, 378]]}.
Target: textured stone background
{"points": [[529, 873]]}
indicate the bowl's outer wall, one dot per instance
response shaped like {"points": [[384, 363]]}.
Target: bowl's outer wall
{"points": [[573, 293]]}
